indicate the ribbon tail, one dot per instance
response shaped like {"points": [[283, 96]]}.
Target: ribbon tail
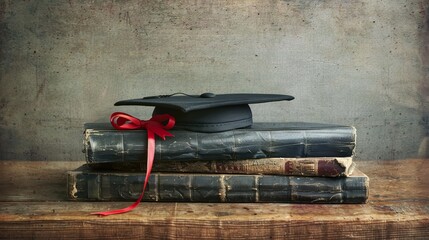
{"points": [[150, 158]]}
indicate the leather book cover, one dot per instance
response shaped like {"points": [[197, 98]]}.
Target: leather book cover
{"points": [[316, 166], [85, 184], [104, 144]]}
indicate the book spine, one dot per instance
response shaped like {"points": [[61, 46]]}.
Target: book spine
{"points": [[124, 146], [323, 166], [115, 186]]}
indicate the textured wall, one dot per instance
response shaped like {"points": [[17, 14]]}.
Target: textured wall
{"points": [[63, 63]]}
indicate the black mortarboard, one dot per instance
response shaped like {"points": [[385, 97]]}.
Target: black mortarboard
{"points": [[207, 112]]}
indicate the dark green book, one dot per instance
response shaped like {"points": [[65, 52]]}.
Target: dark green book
{"points": [[85, 184], [104, 144]]}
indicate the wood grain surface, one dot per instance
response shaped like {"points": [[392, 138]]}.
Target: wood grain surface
{"points": [[33, 205]]}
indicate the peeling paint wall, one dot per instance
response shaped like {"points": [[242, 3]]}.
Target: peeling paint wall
{"points": [[361, 63]]}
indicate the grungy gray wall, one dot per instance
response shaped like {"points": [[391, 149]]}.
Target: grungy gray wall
{"points": [[361, 63]]}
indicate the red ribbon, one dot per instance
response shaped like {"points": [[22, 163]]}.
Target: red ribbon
{"points": [[153, 126]]}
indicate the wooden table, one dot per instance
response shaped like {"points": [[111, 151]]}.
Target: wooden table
{"points": [[33, 205]]}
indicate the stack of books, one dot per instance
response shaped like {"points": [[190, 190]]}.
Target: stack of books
{"points": [[266, 162]]}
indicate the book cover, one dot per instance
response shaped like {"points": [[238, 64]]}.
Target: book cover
{"points": [[316, 166], [102, 143], [85, 184]]}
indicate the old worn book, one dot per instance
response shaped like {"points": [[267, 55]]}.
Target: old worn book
{"points": [[315, 166], [103, 143], [85, 184]]}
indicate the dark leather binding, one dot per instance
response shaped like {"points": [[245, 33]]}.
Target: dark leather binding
{"points": [[90, 185], [102, 143]]}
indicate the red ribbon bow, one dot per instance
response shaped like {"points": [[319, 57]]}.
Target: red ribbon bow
{"points": [[153, 126]]}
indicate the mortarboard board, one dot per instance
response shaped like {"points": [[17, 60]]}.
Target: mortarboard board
{"points": [[207, 112]]}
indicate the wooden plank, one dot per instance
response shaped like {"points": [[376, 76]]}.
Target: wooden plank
{"points": [[33, 206], [203, 221]]}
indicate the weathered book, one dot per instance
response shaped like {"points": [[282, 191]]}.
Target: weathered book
{"points": [[316, 166], [85, 184], [102, 143]]}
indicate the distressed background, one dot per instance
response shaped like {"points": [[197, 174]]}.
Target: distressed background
{"points": [[362, 63]]}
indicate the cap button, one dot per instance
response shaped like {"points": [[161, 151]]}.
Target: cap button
{"points": [[207, 95]]}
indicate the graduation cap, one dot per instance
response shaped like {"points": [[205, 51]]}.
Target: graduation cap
{"points": [[207, 112]]}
